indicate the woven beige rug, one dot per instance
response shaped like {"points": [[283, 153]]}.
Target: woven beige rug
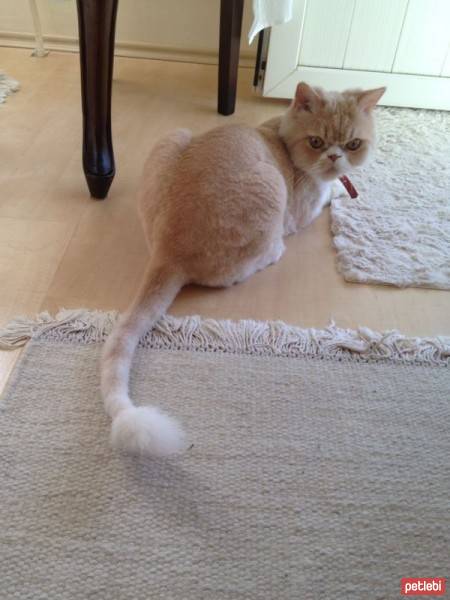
{"points": [[320, 465]]}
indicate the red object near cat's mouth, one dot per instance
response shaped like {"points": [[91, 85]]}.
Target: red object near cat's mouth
{"points": [[348, 186]]}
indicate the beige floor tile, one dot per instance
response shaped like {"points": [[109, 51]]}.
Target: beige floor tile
{"points": [[30, 252]]}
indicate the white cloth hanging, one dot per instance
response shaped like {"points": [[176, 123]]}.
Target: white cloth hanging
{"points": [[267, 13]]}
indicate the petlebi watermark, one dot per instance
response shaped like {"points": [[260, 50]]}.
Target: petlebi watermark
{"points": [[422, 586]]}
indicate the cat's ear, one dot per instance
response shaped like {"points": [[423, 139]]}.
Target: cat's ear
{"points": [[368, 99], [306, 98]]}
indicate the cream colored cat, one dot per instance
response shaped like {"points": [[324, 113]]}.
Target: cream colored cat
{"points": [[215, 209]]}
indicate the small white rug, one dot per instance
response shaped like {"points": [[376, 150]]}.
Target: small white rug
{"points": [[7, 86], [398, 231]]}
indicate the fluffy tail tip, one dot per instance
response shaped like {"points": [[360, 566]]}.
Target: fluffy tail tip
{"points": [[145, 430]]}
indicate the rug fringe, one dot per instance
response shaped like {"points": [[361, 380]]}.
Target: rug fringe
{"points": [[241, 337], [86, 326]]}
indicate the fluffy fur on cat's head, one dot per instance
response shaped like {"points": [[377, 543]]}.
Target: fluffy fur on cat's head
{"points": [[329, 133]]}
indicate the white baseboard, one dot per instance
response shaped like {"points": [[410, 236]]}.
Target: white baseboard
{"points": [[129, 49]]}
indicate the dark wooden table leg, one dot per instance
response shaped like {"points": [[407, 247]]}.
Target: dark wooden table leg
{"points": [[96, 24], [230, 39]]}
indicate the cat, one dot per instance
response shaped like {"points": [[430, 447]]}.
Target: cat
{"points": [[215, 209]]}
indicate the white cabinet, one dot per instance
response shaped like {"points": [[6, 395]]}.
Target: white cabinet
{"points": [[338, 44]]}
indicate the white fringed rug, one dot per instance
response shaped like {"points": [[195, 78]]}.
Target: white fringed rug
{"points": [[398, 231], [319, 467], [7, 86]]}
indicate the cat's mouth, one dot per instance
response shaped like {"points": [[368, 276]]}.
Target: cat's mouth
{"points": [[335, 167], [332, 171]]}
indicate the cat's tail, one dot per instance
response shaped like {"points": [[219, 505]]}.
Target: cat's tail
{"points": [[146, 429]]}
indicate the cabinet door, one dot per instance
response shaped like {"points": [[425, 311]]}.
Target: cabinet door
{"points": [[338, 44]]}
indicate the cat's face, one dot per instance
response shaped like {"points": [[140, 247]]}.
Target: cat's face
{"points": [[328, 134]]}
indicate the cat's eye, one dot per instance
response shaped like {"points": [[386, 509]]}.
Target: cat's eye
{"points": [[354, 144], [316, 142]]}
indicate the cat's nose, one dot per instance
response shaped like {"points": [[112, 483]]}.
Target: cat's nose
{"points": [[334, 157]]}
